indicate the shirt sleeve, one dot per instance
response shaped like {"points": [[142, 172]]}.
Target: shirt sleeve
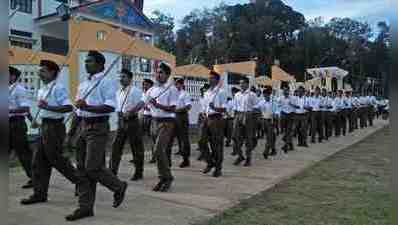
{"points": [[173, 97], [62, 96], [23, 97]]}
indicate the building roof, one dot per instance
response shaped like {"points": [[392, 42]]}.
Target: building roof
{"points": [[24, 56], [118, 42], [246, 68], [279, 74], [111, 9], [263, 81], [192, 70]]}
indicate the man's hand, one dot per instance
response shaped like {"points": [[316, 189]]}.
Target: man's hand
{"points": [[154, 102], [81, 104], [42, 104]]}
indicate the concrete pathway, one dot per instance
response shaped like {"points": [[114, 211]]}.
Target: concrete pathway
{"points": [[193, 197]]}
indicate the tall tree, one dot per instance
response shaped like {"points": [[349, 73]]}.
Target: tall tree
{"points": [[164, 31]]}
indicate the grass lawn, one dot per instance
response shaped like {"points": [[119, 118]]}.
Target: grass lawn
{"points": [[349, 188]]}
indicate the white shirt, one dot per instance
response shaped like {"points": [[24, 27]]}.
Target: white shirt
{"points": [[285, 104], [58, 96], [183, 99], [348, 102], [326, 101], [363, 101], [103, 94], [17, 97], [301, 103], [266, 108], [229, 107], [165, 95], [315, 103], [245, 101], [216, 96], [202, 105], [127, 102], [339, 101]]}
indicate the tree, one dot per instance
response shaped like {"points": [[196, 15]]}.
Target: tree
{"points": [[164, 31]]}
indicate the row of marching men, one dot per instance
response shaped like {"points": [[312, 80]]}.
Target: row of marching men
{"points": [[159, 110], [315, 116]]}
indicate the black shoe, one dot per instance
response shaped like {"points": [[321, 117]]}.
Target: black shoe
{"points": [[166, 185], [158, 185], [207, 169], [247, 163], [265, 155], [185, 163], [239, 160], [313, 141], [284, 148], [273, 152], [217, 173], [152, 161], [118, 196], [137, 177], [33, 200], [28, 185], [79, 214], [201, 157]]}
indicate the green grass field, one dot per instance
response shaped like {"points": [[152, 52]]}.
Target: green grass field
{"points": [[349, 188]]}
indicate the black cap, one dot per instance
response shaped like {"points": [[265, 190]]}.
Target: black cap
{"points": [[14, 71], [51, 65], [149, 81], [127, 72], [99, 57], [165, 68]]}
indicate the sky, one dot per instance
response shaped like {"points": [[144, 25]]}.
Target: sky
{"points": [[370, 11]]}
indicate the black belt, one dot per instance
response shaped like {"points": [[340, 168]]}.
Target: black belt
{"points": [[51, 120], [16, 118], [91, 120], [215, 116], [164, 120]]}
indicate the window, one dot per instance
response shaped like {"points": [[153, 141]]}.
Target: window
{"points": [[54, 45], [24, 5], [21, 44], [21, 33], [126, 62], [145, 65], [101, 35]]}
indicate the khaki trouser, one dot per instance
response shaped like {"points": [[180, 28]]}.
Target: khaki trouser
{"points": [[50, 155], [301, 124], [91, 144], [164, 131], [244, 132], [287, 125], [19, 143], [229, 123], [182, 133], [269, 136], [316, 125], [212, 132], [133, 133]]}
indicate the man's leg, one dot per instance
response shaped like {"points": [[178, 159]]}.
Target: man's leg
{"points": [[117, 150], [137, 146]]}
